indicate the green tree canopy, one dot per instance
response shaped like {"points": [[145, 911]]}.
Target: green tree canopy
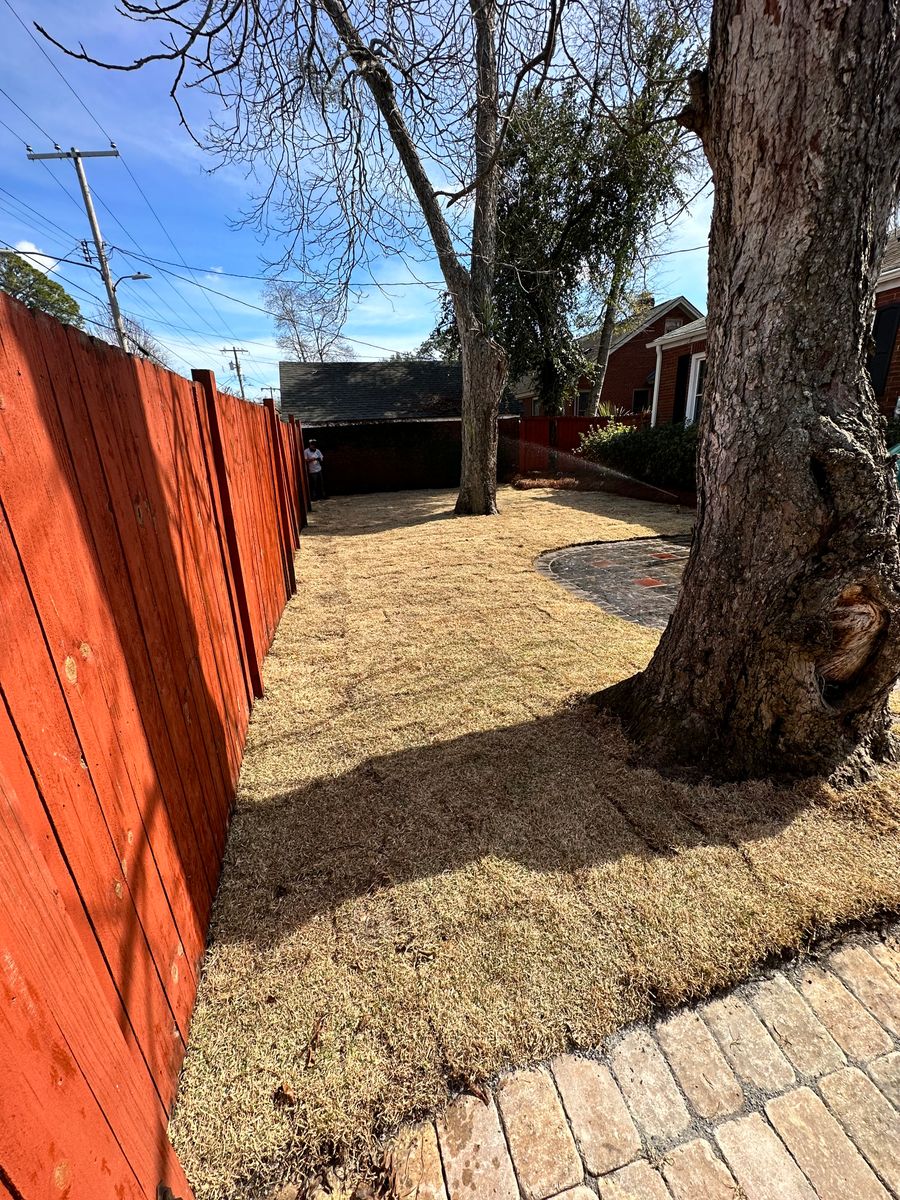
{"points": [[584, 186], [22, 281]]}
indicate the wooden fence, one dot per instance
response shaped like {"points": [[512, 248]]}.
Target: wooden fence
{"points": [[147, 531], [549, 443]]}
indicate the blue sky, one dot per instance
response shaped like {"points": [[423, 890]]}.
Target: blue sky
{"points": [[197, 208]]}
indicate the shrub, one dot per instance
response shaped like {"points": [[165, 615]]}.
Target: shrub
{"points": [[665, 455]]}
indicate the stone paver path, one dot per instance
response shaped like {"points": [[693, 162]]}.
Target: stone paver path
{"points": [[786, 1088], [637, 579]]}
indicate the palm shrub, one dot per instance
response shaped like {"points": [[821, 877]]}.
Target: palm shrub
{"points": [[664, 455]]}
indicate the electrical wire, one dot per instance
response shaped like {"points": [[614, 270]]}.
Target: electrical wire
{"points": [[221, 319]]}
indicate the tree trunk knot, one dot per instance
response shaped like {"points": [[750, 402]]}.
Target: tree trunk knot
{"points": [[695, 116], [856, 623]]}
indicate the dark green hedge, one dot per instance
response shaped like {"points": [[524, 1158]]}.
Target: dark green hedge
{"points": [[665, 455]]}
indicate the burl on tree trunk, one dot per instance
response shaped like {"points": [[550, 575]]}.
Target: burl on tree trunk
{"points": [[785, 642]]}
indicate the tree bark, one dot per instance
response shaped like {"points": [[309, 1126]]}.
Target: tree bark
{"points": [[484, 377], [483, 360], [606, 333], [785, 641]]}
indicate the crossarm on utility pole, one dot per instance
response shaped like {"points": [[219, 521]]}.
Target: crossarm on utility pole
{"points": [[76, 156]]}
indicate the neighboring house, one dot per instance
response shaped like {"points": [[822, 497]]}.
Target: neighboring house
{"points": [[323, 393], [681, 355], [630, 374]]}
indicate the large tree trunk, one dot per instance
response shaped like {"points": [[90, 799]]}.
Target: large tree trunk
{"points": [[785, 641], [483, 360], [484, 378]]}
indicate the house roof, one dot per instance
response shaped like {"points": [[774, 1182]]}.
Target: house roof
{"points": [[632, 326], [889, 276], [691, 332], [320, 392], [624, 332]]}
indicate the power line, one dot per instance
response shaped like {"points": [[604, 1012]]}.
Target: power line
{"points": [[36, 215], [28, 118], [43, 51], [223, 322], [247, 303]]}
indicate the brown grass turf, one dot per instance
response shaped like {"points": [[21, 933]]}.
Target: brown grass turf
{"points": [[441, 865]]}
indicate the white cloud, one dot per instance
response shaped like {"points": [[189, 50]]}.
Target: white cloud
{"points": [[41, 262]]}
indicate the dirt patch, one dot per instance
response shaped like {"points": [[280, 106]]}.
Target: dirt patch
{"points": [[601, 479], [441, 865]]}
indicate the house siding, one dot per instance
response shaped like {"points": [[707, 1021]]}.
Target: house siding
{"points": [[668, 374], [630, 367]]}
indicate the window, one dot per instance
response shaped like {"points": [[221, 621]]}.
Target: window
{"points": [[695, 389], [884, 334], [673, 323], [679, 399], [582, 407], [640, 401]]}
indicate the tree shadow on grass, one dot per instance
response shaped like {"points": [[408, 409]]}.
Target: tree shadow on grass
{"points": [[556, 795], [379, 512]]}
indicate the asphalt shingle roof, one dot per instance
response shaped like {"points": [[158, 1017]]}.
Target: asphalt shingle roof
{"points": [[625, 330], [366, 391]]}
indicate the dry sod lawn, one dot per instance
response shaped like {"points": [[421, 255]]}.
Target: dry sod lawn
{"points": [[440, 864]]}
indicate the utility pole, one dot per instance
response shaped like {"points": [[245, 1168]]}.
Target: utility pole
{"points": [[235, 365], [76, 156], [272, 390]]}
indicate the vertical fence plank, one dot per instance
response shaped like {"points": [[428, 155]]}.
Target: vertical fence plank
{"points": [[73, 626], [72, 1076], [279, 472], [207, 382]]}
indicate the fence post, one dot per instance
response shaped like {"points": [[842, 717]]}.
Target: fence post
{"points": [[207, 381], [281, 485]]}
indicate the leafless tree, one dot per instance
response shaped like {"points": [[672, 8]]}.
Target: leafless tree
{"points": [[139, 338], [380, 127], [307, 321]]}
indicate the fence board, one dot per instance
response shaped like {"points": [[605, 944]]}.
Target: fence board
{"points": [[116, 413], [147, 531], [72, 1070]]}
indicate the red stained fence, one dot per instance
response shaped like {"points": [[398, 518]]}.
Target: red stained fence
{"points": [[549, 443], [147, 531]]}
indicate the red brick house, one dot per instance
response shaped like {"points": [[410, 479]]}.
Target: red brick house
{"points": [[681, 355], [629, 376]]}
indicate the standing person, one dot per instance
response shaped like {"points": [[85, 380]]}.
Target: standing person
{"points": [[313, 456]]}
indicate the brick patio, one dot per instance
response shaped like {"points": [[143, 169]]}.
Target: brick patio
{"points": [[786, 1088], [637, 579]]}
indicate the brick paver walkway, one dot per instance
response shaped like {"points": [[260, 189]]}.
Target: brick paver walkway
{"points": [[786, 1088], [637, 579]]}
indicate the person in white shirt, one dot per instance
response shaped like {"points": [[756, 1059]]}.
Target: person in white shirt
{"points": [[313, 456]]}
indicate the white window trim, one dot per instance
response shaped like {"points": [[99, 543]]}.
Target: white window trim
{"points": [[656, 375], [691, 411]]}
